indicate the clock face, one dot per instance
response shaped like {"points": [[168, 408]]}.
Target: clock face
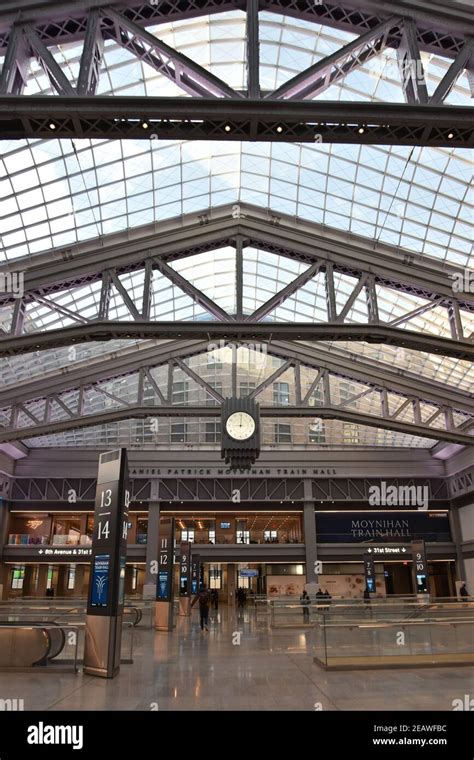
{"points": [[240, 426]]}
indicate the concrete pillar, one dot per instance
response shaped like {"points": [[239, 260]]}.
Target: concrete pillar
{"points": [[28, 580], [309, 528], [79, 589], [3, 581], [456, 535], [231, 584], [149, 586], [42, 580], [63, 574]]}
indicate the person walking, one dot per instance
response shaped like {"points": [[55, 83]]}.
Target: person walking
{"points": [[240, 598], [366, 595], [305, 601], [204, 598], [215, 599]]}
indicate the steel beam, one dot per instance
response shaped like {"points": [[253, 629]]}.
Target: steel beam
{"points": [[338, 362], [51, 68], [461, 62], [244, 331], [253, 52], [15, 65], [184, 72], [91, 58], [282, 295], [59, 269], [326, 72], [411, 66], [197, 295], [278, 412], [441, 27], [121, 117]]}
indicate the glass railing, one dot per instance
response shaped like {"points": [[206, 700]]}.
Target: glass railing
{"points": [[72, 540], [369, 636]]}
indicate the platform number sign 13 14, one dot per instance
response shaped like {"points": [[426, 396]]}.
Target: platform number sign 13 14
{"points": [[105, 518]]}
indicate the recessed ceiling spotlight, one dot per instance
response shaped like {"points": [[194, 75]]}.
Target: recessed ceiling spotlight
{"points": [[451, 135], [52, 125], [279, 129], [227, 128], [145, 124], [361, 130]]}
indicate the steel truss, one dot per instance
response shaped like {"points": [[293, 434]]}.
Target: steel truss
{"points": [[462, 483], [154, 248], [217, 111], [39, 411], [210, 489], [117, 117]]}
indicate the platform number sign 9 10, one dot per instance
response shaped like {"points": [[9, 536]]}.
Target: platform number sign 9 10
{"points": [[419, 562]]}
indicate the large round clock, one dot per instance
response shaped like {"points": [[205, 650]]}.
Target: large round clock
{"points": [[240, 426], [240, 444]]}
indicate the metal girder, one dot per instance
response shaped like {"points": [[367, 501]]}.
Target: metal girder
{"points": [[121, 117], [244, 331], [239, 278], [411, 66], [184, 72], [285, 293], [279, 412], [253, 52], [441, 27], [173, 239], [51, 68], [337, 362], [89, 71], [14, 71], [326, 72], [460, 63], [197, 295]]}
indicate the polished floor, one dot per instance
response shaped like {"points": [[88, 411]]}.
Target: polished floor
{"points": [[267, 670]]}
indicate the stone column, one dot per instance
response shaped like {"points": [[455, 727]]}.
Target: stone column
{"points": [[231, 584], [309, 529], [28, 580], [79, 581], [42, 580], [149, 586], [63, 573], [456, 535]]}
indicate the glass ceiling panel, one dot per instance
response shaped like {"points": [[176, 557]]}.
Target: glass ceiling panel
{"points": [[56, 193]]}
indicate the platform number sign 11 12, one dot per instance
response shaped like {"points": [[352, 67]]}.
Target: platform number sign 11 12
{"points": [[125, 515]]}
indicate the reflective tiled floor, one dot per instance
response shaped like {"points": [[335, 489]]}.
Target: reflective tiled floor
{"points": [[190, 670]]}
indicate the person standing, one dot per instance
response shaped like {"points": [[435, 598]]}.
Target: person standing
{"points": [[305, 601], [204, 598], [463, 590], [215, 599]]}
